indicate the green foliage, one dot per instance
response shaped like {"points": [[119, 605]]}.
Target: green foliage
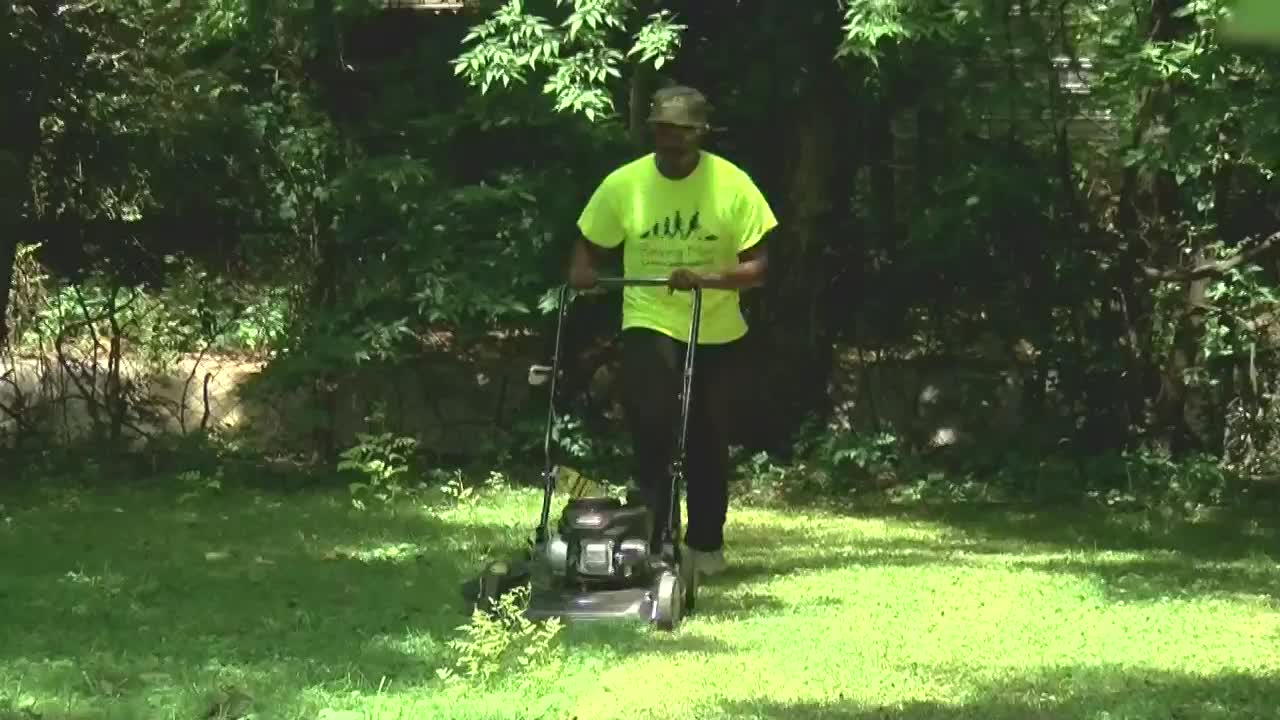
{"points": [[382, 458], [455, 487], [197, 311], [319, 186], [658, 40], [872, 26], [578, 53], [839, 468], [1239, 299], [1155, 480], [829, 465], [868, 455], [503, 641]]}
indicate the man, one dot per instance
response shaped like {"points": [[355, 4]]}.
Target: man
{"points": [[692, 217]]}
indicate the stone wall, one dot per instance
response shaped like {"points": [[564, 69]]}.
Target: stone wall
{"points": [[464, 406], [61, 397]]}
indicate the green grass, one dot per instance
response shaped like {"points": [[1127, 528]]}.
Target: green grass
{"points": [[146, 603]]}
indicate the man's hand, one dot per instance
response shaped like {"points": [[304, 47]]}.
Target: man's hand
{"points": [[750, 272], [683, 279]]}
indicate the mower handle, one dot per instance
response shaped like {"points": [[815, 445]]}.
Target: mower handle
{"points": [[539, 374], [620, 282]]}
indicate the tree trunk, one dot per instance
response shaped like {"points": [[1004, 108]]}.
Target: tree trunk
{"points": [[324, 289], [1144, 247], [1211, 406], [883, 242], [799, 336], [640, 86], [1177, 431], [1172, 431], [1189, 414], [883, 180]]}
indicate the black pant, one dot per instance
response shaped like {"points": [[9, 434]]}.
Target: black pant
{"points": [[652, 377]]}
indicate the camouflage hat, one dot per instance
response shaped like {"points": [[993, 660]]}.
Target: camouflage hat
{"points": [[680, 105]]}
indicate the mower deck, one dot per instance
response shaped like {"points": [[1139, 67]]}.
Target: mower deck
{"points": [[578, 605]]}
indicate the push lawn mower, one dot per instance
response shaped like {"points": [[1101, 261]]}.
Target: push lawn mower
{"points": [[599, 561]]}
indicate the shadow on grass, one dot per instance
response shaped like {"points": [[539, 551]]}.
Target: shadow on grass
{"points": [[127, 596], [271, 593], [1080, 692], [1218, 535], [1155, 579], [719, 608]]}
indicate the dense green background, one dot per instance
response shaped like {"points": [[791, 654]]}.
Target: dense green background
{"points": [[1014, 451], [1074, 195]]}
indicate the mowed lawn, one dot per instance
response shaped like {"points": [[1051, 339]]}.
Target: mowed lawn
{"points": [[162, 603]]}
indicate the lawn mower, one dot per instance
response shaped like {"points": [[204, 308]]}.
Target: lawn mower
{"points": [[600, 561]]}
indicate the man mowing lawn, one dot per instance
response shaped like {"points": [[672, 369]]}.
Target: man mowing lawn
{"points": [[693, 217]]}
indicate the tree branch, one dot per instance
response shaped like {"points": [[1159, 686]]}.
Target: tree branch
{"points": [[1216, 268]]}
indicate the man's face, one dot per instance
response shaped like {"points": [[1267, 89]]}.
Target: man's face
{"points": [[675, 140]]}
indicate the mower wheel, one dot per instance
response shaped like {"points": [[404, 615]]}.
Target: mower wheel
{"points": [[491, 582], [669, 604]]}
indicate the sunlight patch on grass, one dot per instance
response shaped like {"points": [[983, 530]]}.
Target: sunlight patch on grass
{"points": [[506, 508], [392, 552]]}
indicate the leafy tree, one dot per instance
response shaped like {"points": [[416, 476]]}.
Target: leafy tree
{"points": [[1077, 193], [1064, 214]]}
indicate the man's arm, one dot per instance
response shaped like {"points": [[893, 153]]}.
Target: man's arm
{"points": [[753, 223], [600, 235], [751, 271], [586, 259]]}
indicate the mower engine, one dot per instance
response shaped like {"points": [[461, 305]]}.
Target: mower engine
{"points": [[601, 539]]}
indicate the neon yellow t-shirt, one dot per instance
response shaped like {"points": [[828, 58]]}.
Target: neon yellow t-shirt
{"points": [[700, 222]]}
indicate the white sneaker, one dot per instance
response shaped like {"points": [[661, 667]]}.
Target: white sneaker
{"points": [[706, 563]]}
